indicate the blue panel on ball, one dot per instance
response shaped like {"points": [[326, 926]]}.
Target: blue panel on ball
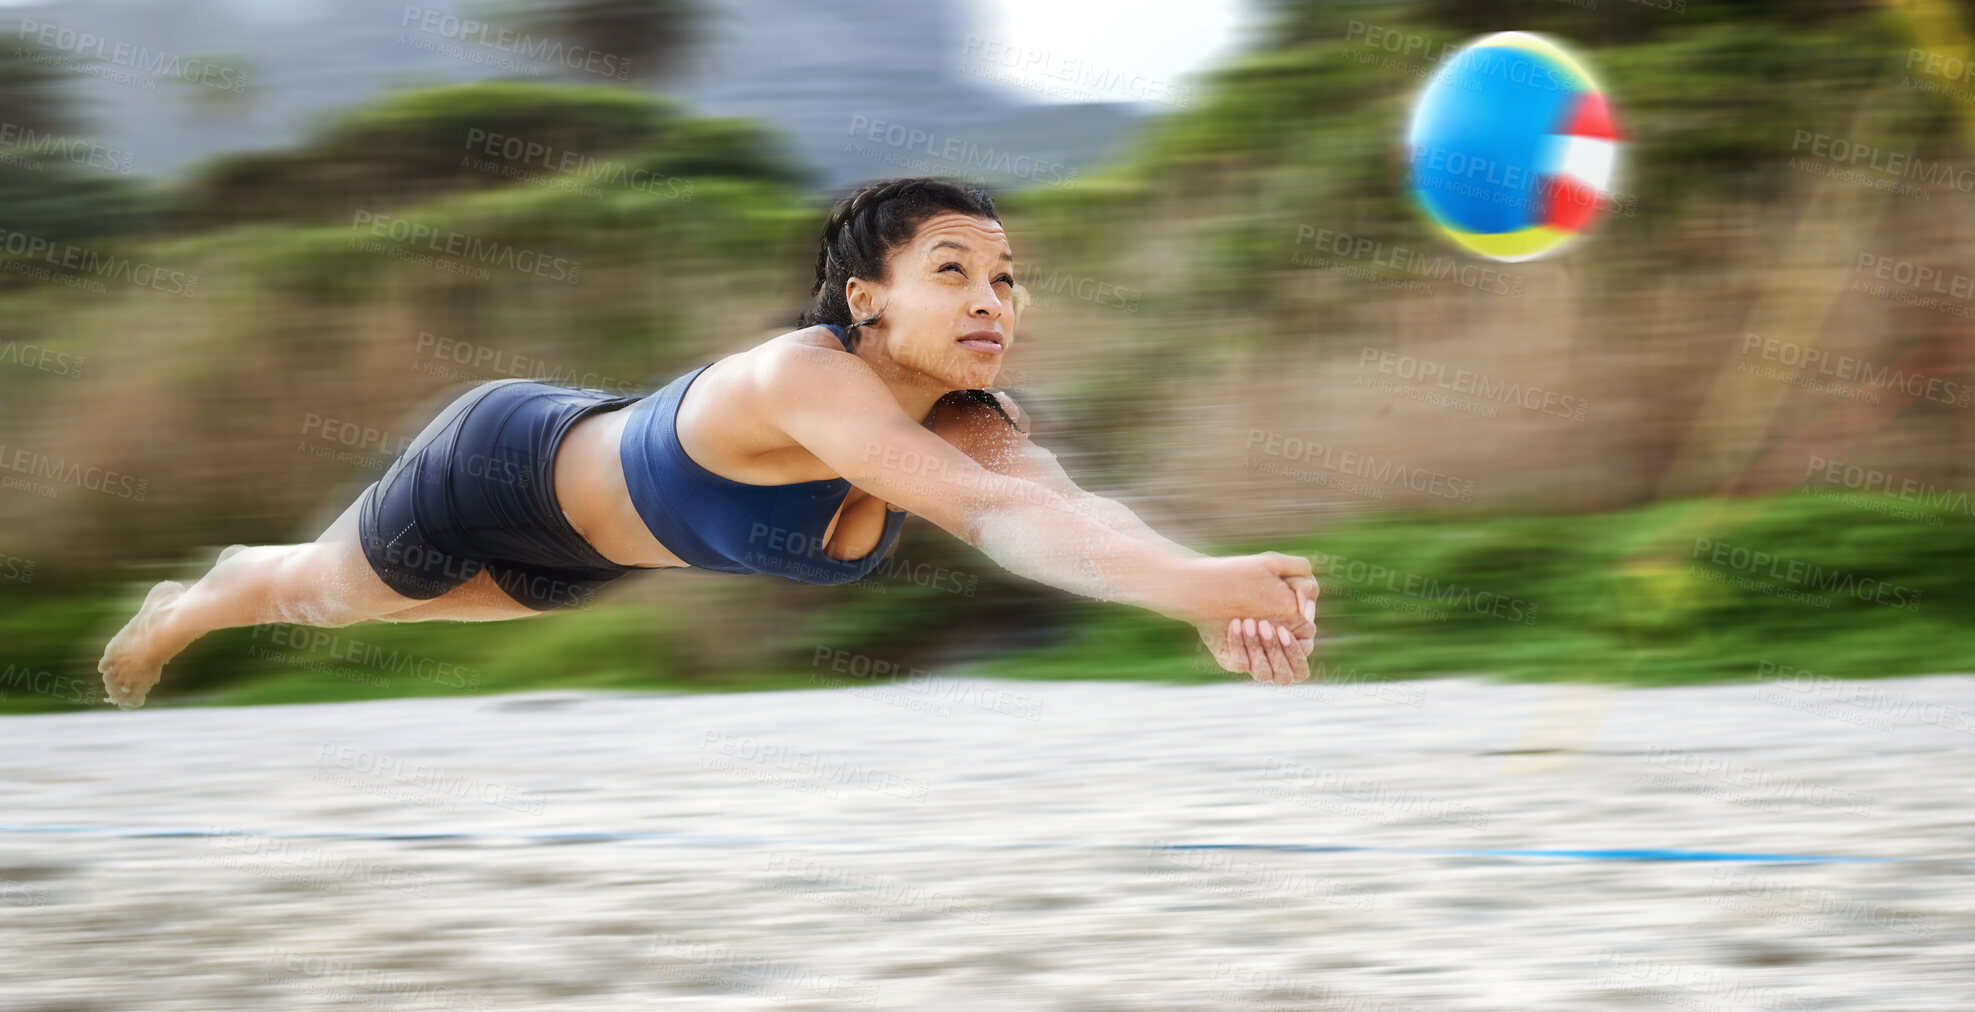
{"points": [[1480, 136]]}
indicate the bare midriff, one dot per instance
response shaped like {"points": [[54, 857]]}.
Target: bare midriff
{"points": [[590, 488]]}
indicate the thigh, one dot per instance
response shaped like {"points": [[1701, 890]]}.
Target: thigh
{"points": [[345, 526], [339, 554], [476, 600], [550, 588], [447, 527], [331, 582], [420, 530], [434, 415], [411, 545]]}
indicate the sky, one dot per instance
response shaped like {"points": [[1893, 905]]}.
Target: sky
{"points": [[1058, 50], [1135, 59], [1102, 50]]}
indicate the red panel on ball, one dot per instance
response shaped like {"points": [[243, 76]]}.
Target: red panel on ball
{"points": [[1571, 203]]}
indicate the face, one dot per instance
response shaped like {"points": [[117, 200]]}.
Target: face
{"points": [[948, 306]]}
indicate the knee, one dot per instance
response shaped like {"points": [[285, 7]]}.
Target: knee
{"points": [[308, 589], [314, 609]]}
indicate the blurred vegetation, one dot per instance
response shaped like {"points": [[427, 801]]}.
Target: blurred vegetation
{"points": [[34, 92], [1559, 598], [414, 147], [657, 36], [1521, 598], [681, 222]]}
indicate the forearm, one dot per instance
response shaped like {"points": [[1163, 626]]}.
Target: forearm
{"points": [[1076, 544], [1120, 518]]}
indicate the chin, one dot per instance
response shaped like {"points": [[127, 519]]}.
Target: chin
{"points": [[964, 375], [975, 379]]}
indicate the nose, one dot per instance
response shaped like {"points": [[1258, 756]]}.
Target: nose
{"points": [[986, 305]]}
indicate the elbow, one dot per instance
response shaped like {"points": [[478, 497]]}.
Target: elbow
{"points": [[970, 522], [993, 505], [1019, 506], [967, 517]]}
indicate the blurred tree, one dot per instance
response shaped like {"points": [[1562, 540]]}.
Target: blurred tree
{"points": [[409, 147], [54, 186], [33, 93], [50, 196], [729, 148], [653, 35]]}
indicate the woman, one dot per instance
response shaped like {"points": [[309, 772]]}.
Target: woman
{"points": [[799, 457]]}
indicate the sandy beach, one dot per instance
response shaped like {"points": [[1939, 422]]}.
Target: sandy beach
{"points": [[971, 844]]}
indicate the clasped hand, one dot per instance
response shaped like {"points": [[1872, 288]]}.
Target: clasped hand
{"points": [[1275, 651]]}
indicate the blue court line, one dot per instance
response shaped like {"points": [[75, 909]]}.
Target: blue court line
{"points": [[1622, 854], [604, 836]]}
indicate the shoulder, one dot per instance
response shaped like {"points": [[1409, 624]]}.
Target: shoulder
{"points": [[807, 354], [810, 366], [980, 416]]}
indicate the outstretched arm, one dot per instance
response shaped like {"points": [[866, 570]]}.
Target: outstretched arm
{"points": [[841, 412], [1007, 449], [1248, 645]]}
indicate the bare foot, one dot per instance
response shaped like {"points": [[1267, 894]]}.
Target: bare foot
{"points": [[130, 667]]}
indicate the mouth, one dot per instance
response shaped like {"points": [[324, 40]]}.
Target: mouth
{"points": [[984, 341]]}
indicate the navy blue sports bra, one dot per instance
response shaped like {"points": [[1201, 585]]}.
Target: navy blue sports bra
{"points": [[715, 523]]}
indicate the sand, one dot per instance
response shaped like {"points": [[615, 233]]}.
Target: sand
{"points": [[969, 844]]}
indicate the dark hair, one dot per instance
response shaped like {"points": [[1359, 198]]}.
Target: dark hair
{"points": [[863, 230]]}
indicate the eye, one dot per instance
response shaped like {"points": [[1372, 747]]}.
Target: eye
{"points": [[1007, 279]]}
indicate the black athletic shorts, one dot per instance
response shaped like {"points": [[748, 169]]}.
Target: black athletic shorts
{"points": [[475, 491]]}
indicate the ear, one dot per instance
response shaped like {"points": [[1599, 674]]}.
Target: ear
{"points": [[863, 297]]}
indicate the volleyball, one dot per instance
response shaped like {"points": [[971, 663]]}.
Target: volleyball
{"points": [[1512, 147]]}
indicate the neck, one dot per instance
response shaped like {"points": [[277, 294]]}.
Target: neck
{"points": [[914, 390]]}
